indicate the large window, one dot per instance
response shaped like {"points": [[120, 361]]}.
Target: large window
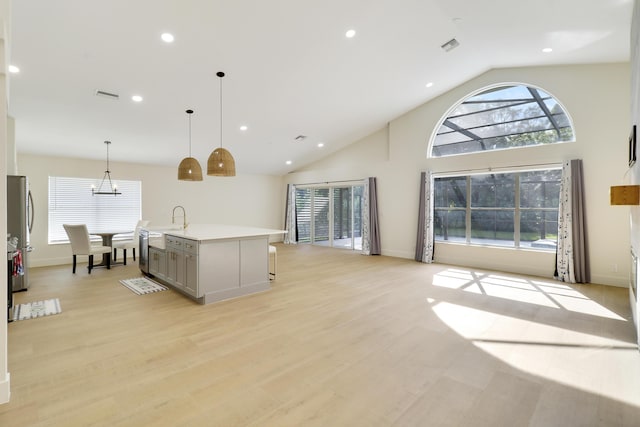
{"points": [[330, 215], [517, 209], [502, 117], [71, 202]]}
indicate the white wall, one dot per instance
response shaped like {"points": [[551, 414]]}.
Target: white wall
{"points": [[634, 176], [4, 59], [596, 97], [253, 200], [12, 159]]}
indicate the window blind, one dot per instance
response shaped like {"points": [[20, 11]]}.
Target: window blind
{"points": [[321, 214], [71, 202], [303, 214]]}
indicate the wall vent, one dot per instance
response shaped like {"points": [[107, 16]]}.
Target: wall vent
{"points": [[107, 94], [450, 45]]}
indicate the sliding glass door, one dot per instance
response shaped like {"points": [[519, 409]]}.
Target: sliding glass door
{"points": [[330, 216], [321, 207], [343, 217]]}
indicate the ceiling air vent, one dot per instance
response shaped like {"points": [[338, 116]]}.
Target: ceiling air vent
{"points": [[450, 45], [109, 95]]}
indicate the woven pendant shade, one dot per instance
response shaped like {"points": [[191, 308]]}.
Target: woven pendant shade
{"points": [[189, 170], [221, 163]]}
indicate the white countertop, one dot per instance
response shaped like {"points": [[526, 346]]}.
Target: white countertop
{"points": [[203, 232]]}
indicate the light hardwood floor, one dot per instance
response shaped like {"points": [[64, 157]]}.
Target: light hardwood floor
{"points": [[340, 340]]}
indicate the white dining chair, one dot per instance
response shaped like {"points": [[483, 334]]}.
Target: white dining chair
{"points": [[81, 245], [129, 244]]}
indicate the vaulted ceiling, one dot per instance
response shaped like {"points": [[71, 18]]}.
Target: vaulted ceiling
{"points": [[290, 69]]}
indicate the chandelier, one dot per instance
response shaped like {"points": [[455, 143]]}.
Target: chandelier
{"points": [[113, 188]]}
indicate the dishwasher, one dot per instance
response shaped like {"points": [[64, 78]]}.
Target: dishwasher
{"points": [[144, 251]]}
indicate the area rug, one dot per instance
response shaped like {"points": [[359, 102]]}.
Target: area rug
{"points": [[31, 310], [142, 285]]}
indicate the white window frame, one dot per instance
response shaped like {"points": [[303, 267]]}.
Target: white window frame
{"points": [[445, 116], [517, 209], [71, 202]]}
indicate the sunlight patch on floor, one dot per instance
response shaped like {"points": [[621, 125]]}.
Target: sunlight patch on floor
{"points": [[538, 292], [557, 353]]}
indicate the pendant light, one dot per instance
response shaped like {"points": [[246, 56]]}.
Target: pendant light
{"points": [[221, 162], [113, 189], [189, 168]]}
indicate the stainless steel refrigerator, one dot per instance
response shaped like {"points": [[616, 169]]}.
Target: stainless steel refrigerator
{"points": [[19, 223]]}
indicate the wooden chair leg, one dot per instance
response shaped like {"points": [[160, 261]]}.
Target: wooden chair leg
{"points": [[74, 264], [124, 251], [109, 260], [90, 266], [115, 254], [134, 253]]}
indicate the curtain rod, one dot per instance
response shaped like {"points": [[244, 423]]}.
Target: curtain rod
{"points": [[332, 182], [491, 169]]}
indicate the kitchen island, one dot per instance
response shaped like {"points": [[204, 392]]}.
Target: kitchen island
{"points": [[208, 262]]}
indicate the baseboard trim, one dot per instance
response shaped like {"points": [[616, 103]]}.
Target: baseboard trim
{"points": [[398, 254], [5, 390], [48, 262]]}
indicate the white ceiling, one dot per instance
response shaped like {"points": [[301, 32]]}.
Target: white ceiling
{"points": [[289, 68]]}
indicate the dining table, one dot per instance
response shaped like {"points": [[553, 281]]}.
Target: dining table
{"points": [[107, 240]]}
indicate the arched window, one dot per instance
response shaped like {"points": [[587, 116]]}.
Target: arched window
{"points": [[500, 117]]}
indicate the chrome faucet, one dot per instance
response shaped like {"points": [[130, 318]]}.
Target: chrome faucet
{"points": [[184, 216]]}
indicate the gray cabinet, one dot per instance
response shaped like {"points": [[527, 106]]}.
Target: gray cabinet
{"points": [[191, 274], [190, 282], [233, 267], [182, 264], [173, 247], [210, 263], [157, 263]]}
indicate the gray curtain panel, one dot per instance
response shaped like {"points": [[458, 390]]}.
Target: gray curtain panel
{"points": [[374, 225], [370, 225], [572, 259], [290, 220], [580, 254], [421, 217], [425, 238]]}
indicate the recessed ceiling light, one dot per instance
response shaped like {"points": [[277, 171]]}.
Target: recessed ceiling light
{"points": [[244, 127], [13, 69], [167, 37], [288, 162], [136, 98], [547, 50], [320, 144], [350, 34], [429, 84]]}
